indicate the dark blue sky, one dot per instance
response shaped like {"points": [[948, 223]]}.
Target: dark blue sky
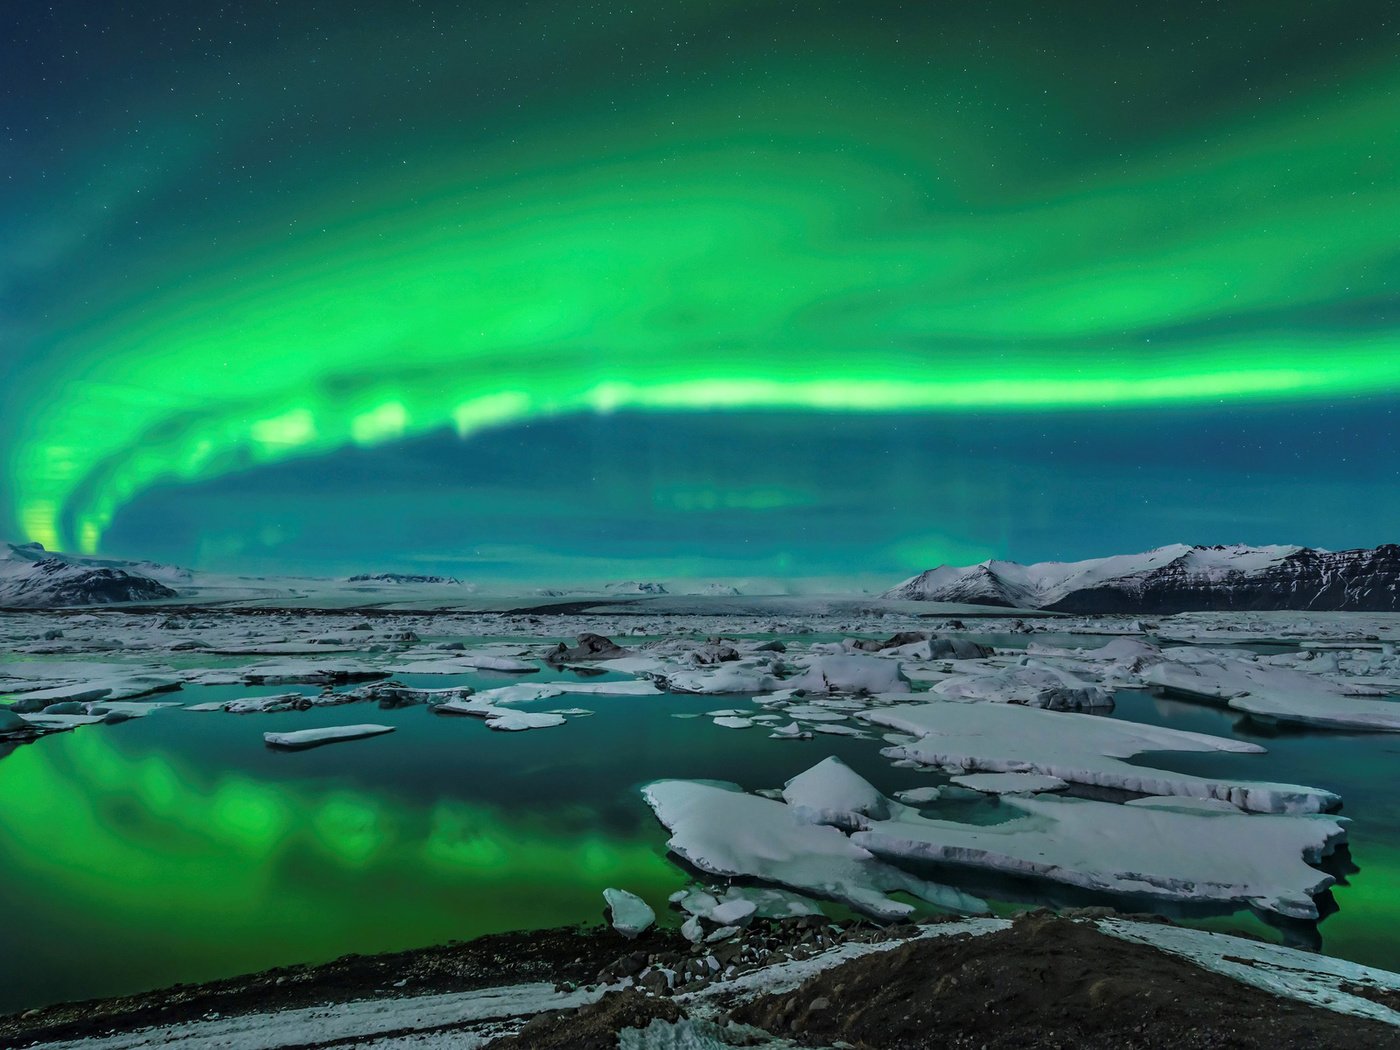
{"points": [[551, 291]]}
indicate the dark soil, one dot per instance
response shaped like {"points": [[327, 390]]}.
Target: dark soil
{"points": [[1047, 982], [560, 955], [591, 1027]]}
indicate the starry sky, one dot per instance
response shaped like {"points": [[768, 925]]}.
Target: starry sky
{"points": [[824, 291]]}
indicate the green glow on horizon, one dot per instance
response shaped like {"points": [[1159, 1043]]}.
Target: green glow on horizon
{"points": [[825, 259]]}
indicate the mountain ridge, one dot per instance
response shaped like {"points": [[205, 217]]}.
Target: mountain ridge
{"points": [[1175, 578]]}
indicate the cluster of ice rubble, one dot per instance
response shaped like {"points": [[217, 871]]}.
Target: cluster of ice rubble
{"points": [[1023, 725]]}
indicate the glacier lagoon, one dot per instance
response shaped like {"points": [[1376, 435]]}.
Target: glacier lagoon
{"points": [[181, 846]]}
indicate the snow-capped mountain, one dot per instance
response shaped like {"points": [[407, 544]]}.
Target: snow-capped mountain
{"points": [[1178, 578], [31, 577], [636, 587], [404, 578]]}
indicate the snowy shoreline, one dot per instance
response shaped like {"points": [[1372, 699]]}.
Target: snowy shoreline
{"points": [[472, 994]]}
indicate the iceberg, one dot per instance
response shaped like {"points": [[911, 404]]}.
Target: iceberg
{"points": [[1079, 748], [720, 830], [631, 916], [1159, 851]]}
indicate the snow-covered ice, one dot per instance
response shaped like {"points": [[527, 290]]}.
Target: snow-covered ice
{"points": [[719, 829], [302, 739], [630, 915], [1275, 693], [1079, 748], [1033, 686], [1156, 851], [832, 793], [1009, 783]]}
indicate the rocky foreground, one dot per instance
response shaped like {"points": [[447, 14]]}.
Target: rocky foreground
{"points": [[1087, 980]]}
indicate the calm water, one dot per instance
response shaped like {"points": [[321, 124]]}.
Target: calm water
{"points": [[178, 848]]}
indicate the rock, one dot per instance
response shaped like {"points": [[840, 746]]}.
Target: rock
{"points": [[589, 647]]}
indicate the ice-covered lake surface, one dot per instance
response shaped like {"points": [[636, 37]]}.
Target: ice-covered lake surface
{"points": [[144, 844]]}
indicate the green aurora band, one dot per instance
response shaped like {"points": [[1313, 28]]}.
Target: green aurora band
{"points": [[832, 257]]}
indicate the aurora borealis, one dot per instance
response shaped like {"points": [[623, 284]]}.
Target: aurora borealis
{"points": [[1140, 257]]}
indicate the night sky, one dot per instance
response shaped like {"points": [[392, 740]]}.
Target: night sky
{"points": [[571, 291]]}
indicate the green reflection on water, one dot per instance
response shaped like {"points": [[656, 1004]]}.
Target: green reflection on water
{"points": [[212, 873]]}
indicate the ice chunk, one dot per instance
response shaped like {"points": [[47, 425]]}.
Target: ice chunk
{"points": [[733, 722], [465, 663], [791, 731], [263, 704], [720, 830], [503, 719], [919, 796], [313, 672], [1274, 693], [308, 738], [851, 673], [765, 903], [1079, 748], [726, 678], [832, 793], [1163, 853], [733, 912], [518, 721], [631, 916], [1033, 686], [16, 727], [1013, 783], [832, 730]]}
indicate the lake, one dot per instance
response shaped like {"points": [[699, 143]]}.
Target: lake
{"points": [[177, 847]]}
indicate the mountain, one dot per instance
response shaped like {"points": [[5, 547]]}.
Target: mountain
{"points": [[33, 578], [1178, 578], [402, 577], [636, 587]]}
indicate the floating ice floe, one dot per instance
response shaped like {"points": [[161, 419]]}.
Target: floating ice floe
{"points": [[251, 705], [850, 673], [60, 720], [791, 731], [813, 713], [720, 830], [726, 678], [106, 687], [1079, 748], [1031, 686], [919, 796], [518, 694], [733, 722], [465, 663], [631, 916], [826, 729], [627, 687], [17, 727], [302, 739], [310, 672], [1274, 693], [1156, 849], [503, 719], [1011, 783]]}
